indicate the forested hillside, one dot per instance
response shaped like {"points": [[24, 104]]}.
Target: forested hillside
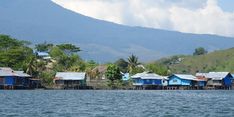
{"points": [[222, 60]]}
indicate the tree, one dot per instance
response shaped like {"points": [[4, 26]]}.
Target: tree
{"points": [[132, 63], [113, 75], [200, 51], [10, 43], [31, 66], [122, 64], [91, 64], [56, 52], [13, 52], [43, 47], [47, 78], [157, 68], [69, 48], [66, 62], [137, 70]]}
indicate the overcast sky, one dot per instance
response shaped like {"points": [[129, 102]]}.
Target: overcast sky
{"points": [[192, 16]]}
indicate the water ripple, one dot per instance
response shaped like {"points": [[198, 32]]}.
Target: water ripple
{"points": [[116, 103]]}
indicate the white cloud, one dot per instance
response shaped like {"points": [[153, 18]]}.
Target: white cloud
{"points": [[193, 16]]}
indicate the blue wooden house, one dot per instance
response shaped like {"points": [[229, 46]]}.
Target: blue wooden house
{"points": [[147, 79], [181, 81], [6, 78], [10, 79], [219, 80]]}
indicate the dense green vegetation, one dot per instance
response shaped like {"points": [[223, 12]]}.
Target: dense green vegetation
{"points": [[132, 65], [114, 76], [19, 55], [43, 47], [14, 53], [222, 60], [200, 51]]}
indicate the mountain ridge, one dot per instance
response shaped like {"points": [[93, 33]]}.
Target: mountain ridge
{"points": [[43, 20]]}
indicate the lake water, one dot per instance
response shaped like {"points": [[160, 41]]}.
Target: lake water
{"points": [[49, 103]]}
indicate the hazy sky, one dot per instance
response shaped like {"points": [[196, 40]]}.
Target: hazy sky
{"points": [[192, 16]]}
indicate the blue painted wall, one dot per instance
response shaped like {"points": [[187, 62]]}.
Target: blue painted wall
{"points": [[148, 81], [9, 80], [152, 82], [138, 81], [201, 83], [174, 80], [228, 80]]}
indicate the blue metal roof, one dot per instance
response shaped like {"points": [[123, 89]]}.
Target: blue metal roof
{"points": [[42, 54]]}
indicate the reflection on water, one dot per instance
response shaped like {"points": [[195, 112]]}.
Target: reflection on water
{"points": [[116, 103]]}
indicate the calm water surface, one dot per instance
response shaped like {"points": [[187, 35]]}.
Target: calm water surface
{"points": [[43, 103]]}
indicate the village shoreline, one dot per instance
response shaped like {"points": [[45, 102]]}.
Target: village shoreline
{"points": [[11, 80], [51, 89], [49, 66]]}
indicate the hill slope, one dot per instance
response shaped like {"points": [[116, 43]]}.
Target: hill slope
{"points": [[222, 60], [43, 20]]}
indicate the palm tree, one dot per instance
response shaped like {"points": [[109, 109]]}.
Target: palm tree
{"points": [[31, 65], [132, 62]]}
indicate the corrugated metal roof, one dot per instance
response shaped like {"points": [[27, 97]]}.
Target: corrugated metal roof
{"points": [[165, 77], [185, 76], [70, 75], [202, 74], [6, 73], [214, 75], [21, 74], [8, 69], [217, 75], [201, 78], [13, 73], [146, 75]]}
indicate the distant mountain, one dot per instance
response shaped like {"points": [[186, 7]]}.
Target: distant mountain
{"points": [[43, 20], [222, 60]]}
